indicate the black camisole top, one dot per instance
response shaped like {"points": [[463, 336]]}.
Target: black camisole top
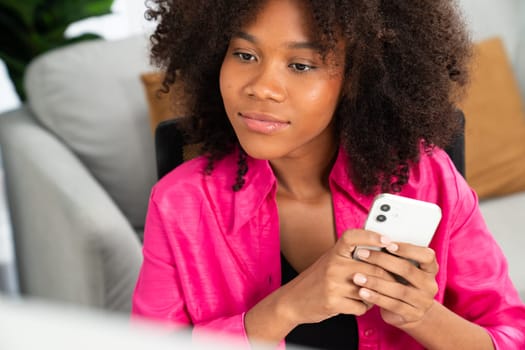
{"points": [[338, 332]]}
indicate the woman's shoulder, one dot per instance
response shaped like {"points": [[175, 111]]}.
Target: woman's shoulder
{"points": [[438, 163], [436, 176], [185, 174], [438, 160], [192, 179]]}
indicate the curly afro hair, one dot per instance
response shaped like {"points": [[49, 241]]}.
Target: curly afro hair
{"points": [[406, 68]]}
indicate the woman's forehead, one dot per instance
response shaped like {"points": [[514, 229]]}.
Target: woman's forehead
{"points": [[291, 21]]}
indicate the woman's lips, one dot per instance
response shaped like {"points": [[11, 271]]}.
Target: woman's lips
{"points": [[262, 123]]}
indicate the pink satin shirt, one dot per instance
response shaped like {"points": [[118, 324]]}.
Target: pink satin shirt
{"points": [[210, 254]]}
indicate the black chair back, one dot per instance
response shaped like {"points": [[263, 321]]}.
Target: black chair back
{"points": [[169, 146]]}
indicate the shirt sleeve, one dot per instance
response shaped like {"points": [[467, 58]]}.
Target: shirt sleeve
{"points": [[478, 284], [159, 295]]}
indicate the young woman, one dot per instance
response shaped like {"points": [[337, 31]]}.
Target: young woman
{"points": [[307, 110]]}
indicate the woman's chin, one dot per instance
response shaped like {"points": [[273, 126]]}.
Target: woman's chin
{"points": [[263, 152]]}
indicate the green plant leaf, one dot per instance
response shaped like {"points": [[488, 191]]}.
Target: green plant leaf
{"points": [[25, 9], [83, 37], [67, 11], [15, 35], [32, 27]]}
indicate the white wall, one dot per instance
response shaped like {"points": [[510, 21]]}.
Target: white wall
{"points": [[488, 18], [504, 18], [8, 97], [127, 19]]}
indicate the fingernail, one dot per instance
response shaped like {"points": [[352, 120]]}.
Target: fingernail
{"points": [[359, 278], [385, 240], [392, 247], [364, 293], [363, 253]]}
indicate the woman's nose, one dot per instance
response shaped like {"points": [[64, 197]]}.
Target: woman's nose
{"points": [[266, 84]]}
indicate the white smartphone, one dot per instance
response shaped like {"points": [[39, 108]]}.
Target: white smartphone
{"points": [[403, 219]]}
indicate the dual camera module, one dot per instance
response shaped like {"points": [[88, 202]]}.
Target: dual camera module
{"points": [[382, 217]]}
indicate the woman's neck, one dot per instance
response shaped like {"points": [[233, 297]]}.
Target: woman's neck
{"points": [[304, 176]]}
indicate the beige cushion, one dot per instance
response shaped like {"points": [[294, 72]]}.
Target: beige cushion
{"points": [[163, 106], [495, 124]]}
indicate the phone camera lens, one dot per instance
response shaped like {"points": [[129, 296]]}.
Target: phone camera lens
{"points": [[381, 218], [385, 207]]}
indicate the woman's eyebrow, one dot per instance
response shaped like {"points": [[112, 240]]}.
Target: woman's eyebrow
{"points": [[303, 45], [245, 36], [291, 45]]}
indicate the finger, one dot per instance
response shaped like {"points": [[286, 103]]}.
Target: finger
{"points": [[369, 269], [400, 267], [406, 312], [424, 256], [396, 311], [348, 300], [353, 294], [351, 306], [406, 294], [352, 238]]}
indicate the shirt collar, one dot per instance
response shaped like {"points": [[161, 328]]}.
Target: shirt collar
{"points": [[261, 185], [235, 209], [340, 178]]}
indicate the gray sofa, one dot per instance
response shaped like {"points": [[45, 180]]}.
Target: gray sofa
{"points": [[79, 164]]}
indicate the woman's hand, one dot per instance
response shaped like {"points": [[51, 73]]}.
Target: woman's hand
{"points": [[402, 305], [326, 288]]}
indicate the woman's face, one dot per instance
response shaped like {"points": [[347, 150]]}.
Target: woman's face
{"points": [[278, 92]]}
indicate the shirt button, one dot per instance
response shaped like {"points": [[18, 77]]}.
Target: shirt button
{"points": [[369, 332]]}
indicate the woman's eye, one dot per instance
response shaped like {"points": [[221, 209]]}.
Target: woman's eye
{"points": [[300, 67], [243, 56]]}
